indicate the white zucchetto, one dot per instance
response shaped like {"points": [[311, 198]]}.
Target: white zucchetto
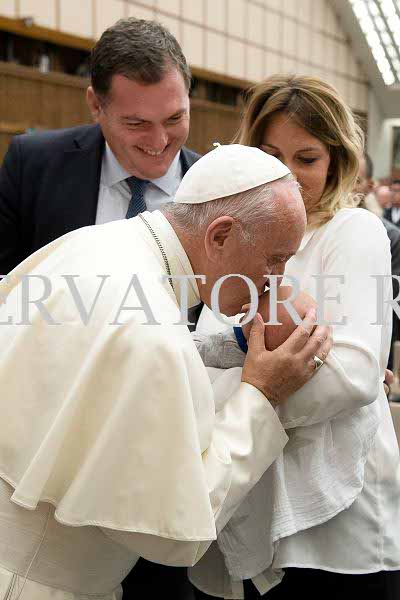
{"points": [[228, 170]]}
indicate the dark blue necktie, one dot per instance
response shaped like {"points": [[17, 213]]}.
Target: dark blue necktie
{"points": [[137, 204]]}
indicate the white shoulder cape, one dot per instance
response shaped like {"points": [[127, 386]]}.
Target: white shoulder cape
{"points": [[106, 422]]}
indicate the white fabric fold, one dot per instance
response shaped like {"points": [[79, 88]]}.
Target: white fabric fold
{"points": [[319, 474], [112, 420], [67, 429]]}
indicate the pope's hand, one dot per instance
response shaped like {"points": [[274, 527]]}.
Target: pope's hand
{"points": [[280, 373]]}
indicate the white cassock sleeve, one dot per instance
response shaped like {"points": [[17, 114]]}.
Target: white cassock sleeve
{"points": [[113, 421], [246, 439], [117, 428]]}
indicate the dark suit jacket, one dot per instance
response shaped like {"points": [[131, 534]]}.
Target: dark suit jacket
{"points": [[387, 214], [394, 236], [49, 184]]}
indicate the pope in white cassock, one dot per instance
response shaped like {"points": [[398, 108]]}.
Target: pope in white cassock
{"points": [[110, 448]]}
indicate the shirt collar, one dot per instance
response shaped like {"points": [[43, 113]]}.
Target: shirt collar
{"points": [[310, 230], [177, 258], [169, 182], [112, 173]]}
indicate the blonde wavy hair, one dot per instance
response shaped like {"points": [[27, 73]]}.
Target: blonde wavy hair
{"points": [[317, 107]]}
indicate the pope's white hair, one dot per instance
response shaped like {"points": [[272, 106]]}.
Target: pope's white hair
{"points": [[250, 210]]}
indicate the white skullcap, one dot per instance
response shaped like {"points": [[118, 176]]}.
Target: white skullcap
{"points": [[228, 170]]}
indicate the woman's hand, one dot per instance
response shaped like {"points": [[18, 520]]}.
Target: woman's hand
{"points": [[389, 378]]}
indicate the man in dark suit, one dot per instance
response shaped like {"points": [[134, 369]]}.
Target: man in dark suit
{"points": [[58, 181], [364, 187], [130, 160], [392, 214]]}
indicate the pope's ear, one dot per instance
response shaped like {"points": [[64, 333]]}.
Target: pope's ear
{"points": [[217, 235]]}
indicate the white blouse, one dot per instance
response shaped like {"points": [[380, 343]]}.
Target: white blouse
{"points": [[364, 538]]}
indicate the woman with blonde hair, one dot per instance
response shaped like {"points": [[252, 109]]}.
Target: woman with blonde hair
{"points": [[344, 261]]}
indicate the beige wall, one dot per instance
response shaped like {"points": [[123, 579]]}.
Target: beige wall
{"points": [[248, 39], [380, 139]]}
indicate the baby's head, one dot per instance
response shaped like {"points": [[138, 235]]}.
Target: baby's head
{"points": [[275, 335]]}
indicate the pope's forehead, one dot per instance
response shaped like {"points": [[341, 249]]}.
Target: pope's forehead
{"points": [[280, 236], [285, 228], [288, 202]]}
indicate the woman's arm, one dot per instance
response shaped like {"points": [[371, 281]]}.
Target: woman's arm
{"points": [[357, 250]]}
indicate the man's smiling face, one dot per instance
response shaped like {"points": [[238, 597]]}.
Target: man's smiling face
{"points": [[145, 125]]}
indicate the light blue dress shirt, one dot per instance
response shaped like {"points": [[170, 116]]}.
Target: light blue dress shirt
{"points": [[114, 193]]}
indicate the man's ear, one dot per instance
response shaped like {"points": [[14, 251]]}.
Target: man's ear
{"points": [[217, 235], [93, 103]]}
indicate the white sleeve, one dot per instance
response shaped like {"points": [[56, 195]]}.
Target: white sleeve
{"points": [[246, 439], [219, 350], [350, 378]]}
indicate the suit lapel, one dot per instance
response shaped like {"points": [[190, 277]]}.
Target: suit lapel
{"points": [[79, 187], [188, 159]]}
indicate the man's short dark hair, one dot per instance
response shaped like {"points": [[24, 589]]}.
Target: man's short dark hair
{"points": [[369, 167], [141, 50]]}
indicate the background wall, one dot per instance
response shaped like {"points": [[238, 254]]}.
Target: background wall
{"points": [[247, 39], [380, 138]]}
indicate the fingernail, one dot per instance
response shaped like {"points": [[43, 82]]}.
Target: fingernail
{"points": [[312, 314]]}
